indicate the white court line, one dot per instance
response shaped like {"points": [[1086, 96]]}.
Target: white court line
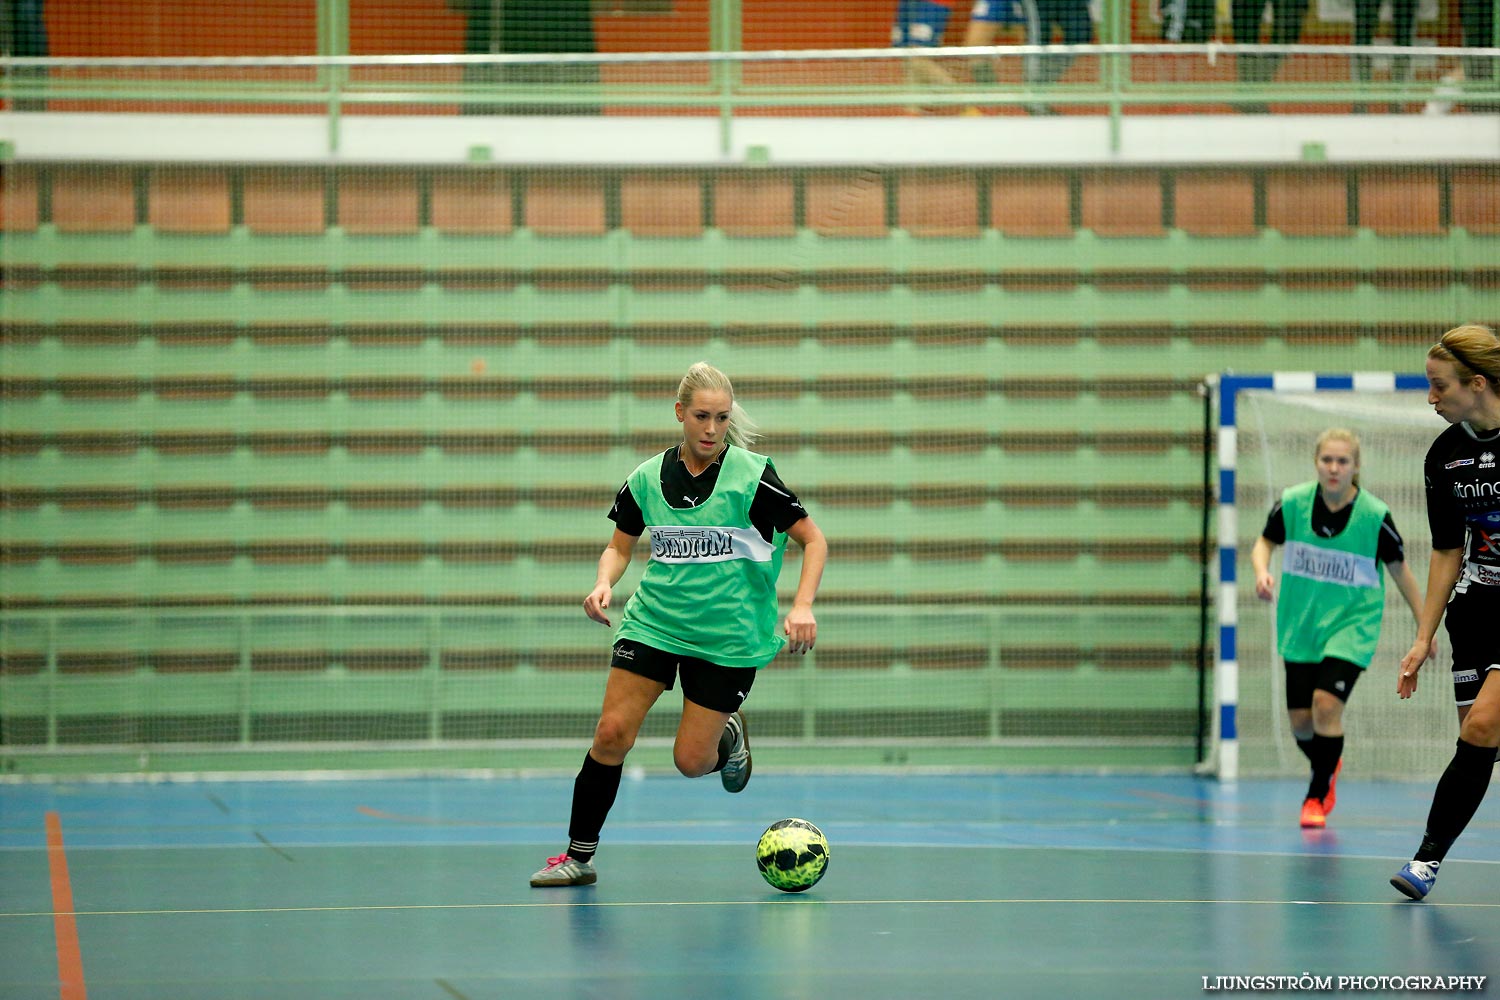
{"points": [[926, 844], [656, 904], [847, 844]]}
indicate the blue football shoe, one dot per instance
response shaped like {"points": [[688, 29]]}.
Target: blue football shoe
{"points": [[1416, 879]]}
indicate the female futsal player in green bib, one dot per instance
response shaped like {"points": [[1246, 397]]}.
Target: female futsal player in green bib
{"points": [[1332, 600], [705, 609]]}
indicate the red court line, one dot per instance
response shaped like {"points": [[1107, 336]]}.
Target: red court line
{"points": [[69, 957]]}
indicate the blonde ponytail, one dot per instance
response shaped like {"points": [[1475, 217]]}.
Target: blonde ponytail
{"points": [[704, 377]]}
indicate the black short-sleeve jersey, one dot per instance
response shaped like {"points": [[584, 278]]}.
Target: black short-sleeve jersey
{"points": [[1463, 500], [1327, 524], [774, 508]]}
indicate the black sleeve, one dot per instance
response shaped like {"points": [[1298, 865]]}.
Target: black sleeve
{"points": [[775, 508], [1275, 529], [1391, 548], [626, 513], [1445, 520]]}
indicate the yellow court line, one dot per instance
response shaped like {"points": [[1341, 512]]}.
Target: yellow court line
{"points": [[373, 908]]}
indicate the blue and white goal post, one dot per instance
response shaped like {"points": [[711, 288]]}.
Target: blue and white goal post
{"points": [[1229, 393]]}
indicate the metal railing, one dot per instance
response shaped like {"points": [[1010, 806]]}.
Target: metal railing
{"points": [[1119, 78]]}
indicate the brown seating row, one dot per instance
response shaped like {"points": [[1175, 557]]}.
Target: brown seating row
{"points": [[196, 387], [375, 497], [18, 663], [935, 202], [1139, 277], [570, 335], [400, 441]]}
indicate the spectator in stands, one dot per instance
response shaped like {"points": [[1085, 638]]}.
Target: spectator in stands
{"points": [[1478, 20], [921, 24], [1332, 599], [546, 27], [23, 33], [1404, 30], [1039, 17], [1188, 21], [705, 608], [1286, 29], [1463, 583], [1070, 19]]}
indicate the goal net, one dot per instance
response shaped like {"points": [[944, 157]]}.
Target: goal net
{"points": [[1274, 432]]}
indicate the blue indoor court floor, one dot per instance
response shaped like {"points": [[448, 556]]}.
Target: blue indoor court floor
{"points": [[938, 887]]}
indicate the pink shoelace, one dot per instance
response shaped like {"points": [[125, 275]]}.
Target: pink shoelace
{"points": [[559, 860]]}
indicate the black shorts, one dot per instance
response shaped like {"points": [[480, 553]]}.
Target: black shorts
{"points": [[1335, 676], [1470, 623], [722, 689]]}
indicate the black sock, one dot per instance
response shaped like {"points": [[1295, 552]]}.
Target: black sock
{"points": [[593, 794], [1459, 792], [1306, 747], [1324, 753]]}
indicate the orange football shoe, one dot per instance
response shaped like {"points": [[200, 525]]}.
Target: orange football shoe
{"points": [[1331, 798], [1312, 814]]}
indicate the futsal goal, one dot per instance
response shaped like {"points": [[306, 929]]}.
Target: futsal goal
{"points": [[1268, 425]]}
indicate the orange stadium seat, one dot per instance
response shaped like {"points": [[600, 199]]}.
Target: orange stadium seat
{"points": [[1474, 199], [755, 205], [1032, 203], [663, 204], [1396, 202], [20, 204], [189, 200], [1215, 202], [472, 203], [378, 202], [943, 203], [566, 206], [1312, 202], [285, 200], [93, 199], [846, 203], [1123, 203]]}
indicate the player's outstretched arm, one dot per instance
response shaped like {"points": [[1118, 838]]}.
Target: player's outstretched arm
{"points": [[1260, 561], [800, 627], [1442, 574], [612, 564]]}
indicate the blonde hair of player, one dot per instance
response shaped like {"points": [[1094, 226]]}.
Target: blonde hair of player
{"points": [[1473, 350], [704, 377], [1340, 434]]}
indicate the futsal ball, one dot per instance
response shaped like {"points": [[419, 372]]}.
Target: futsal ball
{"points": [[792, 855]]}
